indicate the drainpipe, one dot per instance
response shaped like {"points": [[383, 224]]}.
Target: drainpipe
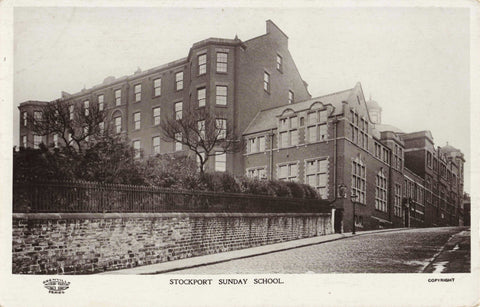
{"points": [[126, 109], [335, 122], [391, 187], [271, 134]]}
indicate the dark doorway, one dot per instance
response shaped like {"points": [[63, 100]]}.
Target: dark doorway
{"points": [[406, 216], [338, 221]]}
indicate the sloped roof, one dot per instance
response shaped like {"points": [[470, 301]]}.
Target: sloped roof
{"points": [[386, 127], [267, 118], [373, 105]]}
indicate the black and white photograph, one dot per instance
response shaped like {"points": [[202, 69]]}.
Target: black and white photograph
{"points": [[242, 154]]}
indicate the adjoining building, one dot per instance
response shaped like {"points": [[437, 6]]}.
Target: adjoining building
{"points": [[332, 141]]}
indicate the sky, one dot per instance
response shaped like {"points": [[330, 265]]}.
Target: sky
{"points": [[415, 62]]}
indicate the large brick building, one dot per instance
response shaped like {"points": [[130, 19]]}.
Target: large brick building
{"points": [[331, 141]]}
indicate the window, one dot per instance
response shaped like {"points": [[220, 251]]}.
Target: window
{"points": [[316, 172], [385, 155], [221, 128], [359, 128], [279, 63], [258, 172], [220, 161], [25, 118], [199, 162], [37, 115], [381, 192], [202, 64], [288, 132], [397, 157], [179, 81], [101, 126], [288, 171], [86, 105], [178, 110], [359, 180], [256, 144], [118, 97], [266, 81], [261, 143], [317, 126], [429, 159], [101, 99], [136, 120], [156, 116], [201, 96], [118, 124], [136, 148], [55, 140], [178, 143], [378, 151], [24, 141], [37, 139], [221, 95], [222, 59], [157, 87], [201, 128], [397, 202], [85, 133], [290, 97], [138, 92], [156, 144]]}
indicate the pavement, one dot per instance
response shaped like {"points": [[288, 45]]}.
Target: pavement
{"points": [[454, 256], [193, 262]]}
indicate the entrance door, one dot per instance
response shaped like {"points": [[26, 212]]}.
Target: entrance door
{"points": [[338, 221], [406, 216]]}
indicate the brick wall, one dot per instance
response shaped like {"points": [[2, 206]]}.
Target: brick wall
{"points": [[75, 243]]}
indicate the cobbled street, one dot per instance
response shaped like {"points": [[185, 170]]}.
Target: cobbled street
{"points": [[403, 251]]}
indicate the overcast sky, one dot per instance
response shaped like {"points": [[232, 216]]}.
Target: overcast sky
{"points": [[413, 61]]}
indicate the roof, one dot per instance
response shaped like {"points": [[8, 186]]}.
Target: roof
{"points": [[386, 127], [33, 103], [373, 105], [267, 118]]}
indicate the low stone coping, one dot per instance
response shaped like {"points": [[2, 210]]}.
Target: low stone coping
{"points": [[68, 216]]}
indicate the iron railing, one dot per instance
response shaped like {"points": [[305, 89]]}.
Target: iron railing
{"points": [[100, 197]]}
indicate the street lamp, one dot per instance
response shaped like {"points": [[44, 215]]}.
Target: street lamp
{"points": [[353, 197]]}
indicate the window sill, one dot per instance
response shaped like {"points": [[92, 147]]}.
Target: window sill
{"points": [[222, 72], [255, 153]]}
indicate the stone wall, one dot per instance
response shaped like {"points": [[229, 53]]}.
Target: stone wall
{"points": [[76, 243]]}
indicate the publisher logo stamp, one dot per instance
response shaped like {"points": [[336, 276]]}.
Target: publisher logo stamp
{"points": [[56, 286]]}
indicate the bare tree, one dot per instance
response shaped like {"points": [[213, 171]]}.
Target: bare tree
{"points": [[72, 125], [203, 133]]}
